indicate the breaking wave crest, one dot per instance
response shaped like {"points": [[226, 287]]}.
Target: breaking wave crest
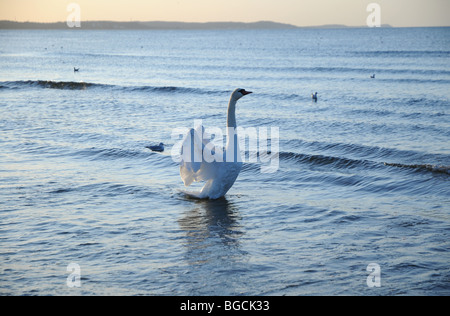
{"points": [[421, 167], [74, 85]]}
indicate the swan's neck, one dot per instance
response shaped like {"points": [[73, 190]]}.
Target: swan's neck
{"points": [[231, 119], [232, 148]]}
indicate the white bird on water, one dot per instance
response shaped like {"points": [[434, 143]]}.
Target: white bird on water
{"points": [[219, 175]]}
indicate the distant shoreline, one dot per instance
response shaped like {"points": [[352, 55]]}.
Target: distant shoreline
{"points": [[161, 25]]}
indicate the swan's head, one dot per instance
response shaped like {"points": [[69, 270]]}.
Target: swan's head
{"points": [[239, 93]]}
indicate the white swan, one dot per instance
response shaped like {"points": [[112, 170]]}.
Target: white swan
{"points": [[219, 175]]}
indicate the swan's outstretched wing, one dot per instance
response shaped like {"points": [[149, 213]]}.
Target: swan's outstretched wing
{"points": [[193, 166]]}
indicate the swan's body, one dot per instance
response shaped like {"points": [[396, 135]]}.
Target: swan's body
{"points": [[219, 175]]}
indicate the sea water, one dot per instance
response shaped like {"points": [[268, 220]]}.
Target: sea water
{"points": [[362, 180]]}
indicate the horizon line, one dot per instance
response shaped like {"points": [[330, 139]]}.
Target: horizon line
{"points": [[274, 23]]}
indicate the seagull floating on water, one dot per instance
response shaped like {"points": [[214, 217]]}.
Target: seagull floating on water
{"points": [[158, 148], [314, 97], [218, 175]]}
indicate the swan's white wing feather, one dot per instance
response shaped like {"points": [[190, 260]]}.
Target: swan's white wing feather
{"points": [[193, 167]]}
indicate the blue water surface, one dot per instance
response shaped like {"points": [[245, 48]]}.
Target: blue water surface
{"points": [[363, 173]]}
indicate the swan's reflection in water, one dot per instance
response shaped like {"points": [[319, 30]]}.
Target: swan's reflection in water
{"points": [[213, 230]]}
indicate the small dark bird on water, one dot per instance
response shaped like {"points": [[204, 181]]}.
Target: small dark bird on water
{"points": [[373, 76], [314, 97], [76, 69], [159, 148]]}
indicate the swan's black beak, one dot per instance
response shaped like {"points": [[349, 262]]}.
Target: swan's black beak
{"points": [[246, 92]]}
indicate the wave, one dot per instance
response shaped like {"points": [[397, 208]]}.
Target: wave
{"points": [[365, 152], [345, 163], [319, 69], [107, 188], [110, 153], [138, 155], [169, 89], [403, 53], [74, 85], [323, 160], [415, 80], [377, 70], [421, 167], [49, 84]]}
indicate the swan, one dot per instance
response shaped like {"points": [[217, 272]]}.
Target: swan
{"points": [[218, 175]]}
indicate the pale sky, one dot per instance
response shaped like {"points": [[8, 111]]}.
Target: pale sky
{"points": [[398, 13]]}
